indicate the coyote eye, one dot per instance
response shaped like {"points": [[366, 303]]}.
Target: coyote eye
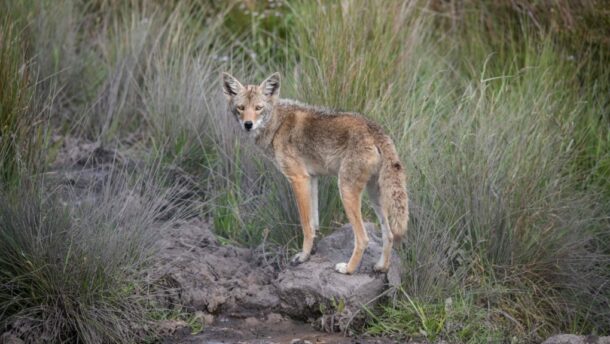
{"points": [[259, 108], [241, 108]]}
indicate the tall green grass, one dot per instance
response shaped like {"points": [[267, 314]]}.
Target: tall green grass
{"points": [[486, 127], [20, 109], [72, 261], [499, 115]]}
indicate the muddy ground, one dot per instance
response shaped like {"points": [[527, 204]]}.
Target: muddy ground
{"points": [[244, 297]]}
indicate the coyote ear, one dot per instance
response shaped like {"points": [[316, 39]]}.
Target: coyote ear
{"points": [[230, 85], [271, 85]]}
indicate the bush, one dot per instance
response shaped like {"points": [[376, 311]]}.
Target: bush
{"points": [[71, 263], [485, 126]]}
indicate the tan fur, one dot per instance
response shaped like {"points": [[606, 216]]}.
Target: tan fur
{"points": [[306, 142]]}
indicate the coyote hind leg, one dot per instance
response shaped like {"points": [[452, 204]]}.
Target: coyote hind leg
{"points": [[315, 219], [383, 264], [353, 176]]}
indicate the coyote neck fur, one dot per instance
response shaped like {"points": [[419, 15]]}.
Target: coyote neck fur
{"points": [[265, 135]]}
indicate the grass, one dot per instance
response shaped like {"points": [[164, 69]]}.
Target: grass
{"points": [[71, 271], [455, 320], [486, 128], [499, 112], [20, 109]]}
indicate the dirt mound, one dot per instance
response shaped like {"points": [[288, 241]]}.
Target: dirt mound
{"points": [[211, 277], [236, 283]]}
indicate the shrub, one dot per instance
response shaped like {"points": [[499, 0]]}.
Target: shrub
{"points": [[485, 126], [71, 262]]}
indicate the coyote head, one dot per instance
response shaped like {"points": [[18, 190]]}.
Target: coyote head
{"points": [[251, 105]]}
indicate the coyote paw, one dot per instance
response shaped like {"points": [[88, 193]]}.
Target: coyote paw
{"points": [[314, 247], [299, 258], [341, 268], [380, 268]]}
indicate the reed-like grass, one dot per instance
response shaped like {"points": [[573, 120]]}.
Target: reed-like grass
{"points": [[499, 116], [20, 109], [72, 260], [486, 128]]}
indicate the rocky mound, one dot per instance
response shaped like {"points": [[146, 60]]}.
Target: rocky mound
{"points": [[229, 281]]}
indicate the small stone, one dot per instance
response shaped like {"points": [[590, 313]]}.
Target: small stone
{"points": [[252, 322], [274, 318], [574, 339], [300, 341]]}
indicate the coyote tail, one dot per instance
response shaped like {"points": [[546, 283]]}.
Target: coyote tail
{"points": [[393, 190]]}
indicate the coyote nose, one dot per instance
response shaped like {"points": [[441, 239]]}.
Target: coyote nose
{"points": [[248, 125]]}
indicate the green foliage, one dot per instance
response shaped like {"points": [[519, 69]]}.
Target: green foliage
{"points": [[20, 141], [457, 321], [486, 127], [75, 271], [498, 109], [259, 31]]}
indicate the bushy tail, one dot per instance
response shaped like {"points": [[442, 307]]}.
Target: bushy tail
{"points": [[393, 190]]}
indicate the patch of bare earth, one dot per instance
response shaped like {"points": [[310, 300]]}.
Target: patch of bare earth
{"points": [[249, 300]]}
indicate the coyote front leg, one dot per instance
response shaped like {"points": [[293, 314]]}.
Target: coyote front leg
{"points": [[301, 186], [315, 216]]}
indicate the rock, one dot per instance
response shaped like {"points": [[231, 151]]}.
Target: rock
{"points": [[314, 286], [274, 318], [252, 322], [300, 341], [223, 279], [574, 339], [211, 277]]}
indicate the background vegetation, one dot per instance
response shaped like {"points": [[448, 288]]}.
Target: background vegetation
{"points": [[500, 111]]}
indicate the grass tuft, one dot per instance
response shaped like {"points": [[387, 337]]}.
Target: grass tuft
{"points": [[71, 262]]}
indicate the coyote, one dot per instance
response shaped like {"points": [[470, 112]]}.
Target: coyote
{"points": [[306, 142]]}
